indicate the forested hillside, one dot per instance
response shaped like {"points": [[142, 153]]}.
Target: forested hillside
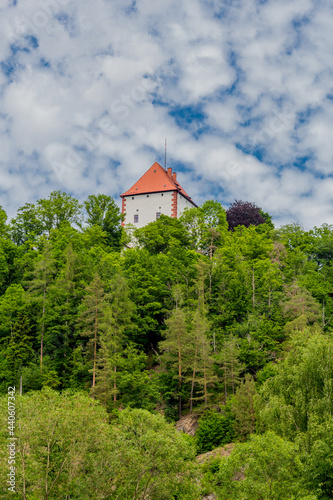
{"points": [[112, 335]]}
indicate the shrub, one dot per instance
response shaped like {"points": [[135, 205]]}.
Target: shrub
{"points": [[215, 429]]}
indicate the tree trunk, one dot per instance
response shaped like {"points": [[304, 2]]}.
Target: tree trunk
{"points": [[194, 372], [42, 334], [115, 385], [180, 380], [253, 289], [95, 346]]}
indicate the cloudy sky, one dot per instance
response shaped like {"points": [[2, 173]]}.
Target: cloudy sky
{"points": [[241, 89]]}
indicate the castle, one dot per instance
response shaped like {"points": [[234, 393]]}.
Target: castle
{"points": [[157, 192]]}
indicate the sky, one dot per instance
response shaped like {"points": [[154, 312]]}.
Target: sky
{"points": [[241, 89]]}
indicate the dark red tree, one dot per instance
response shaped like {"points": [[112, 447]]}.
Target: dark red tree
{"points": [[244, 213]]}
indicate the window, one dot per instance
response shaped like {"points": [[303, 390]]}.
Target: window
{"points": [[161, 194], [132, 197], [147, 195], [136, 218], [158, 215]]}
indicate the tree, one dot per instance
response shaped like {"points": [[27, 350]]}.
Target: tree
{"points": [[230, 365], [43, 274], [317, 456], [244, 213], [161, 235], [3, 226], [153, 459], [117, 314], [91, 317], [215, 429], [26, 225], [205, 226], [301, 387], [17, 334], [300, 308], [58, 208], [202, 361], [176, 346], [242, 407], [103, 211], [63, 448], [267, 467]]}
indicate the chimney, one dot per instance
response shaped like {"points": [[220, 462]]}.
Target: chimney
{"points": [[169, 170], [174, 176]]}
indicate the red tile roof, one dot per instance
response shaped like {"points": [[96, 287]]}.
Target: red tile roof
{"points": [[155, 180]]}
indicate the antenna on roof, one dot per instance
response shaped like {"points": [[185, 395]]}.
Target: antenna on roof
{"points": [[165, 154]]}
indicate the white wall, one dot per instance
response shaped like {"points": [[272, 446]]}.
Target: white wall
{"points": [[146, 207], [182, 203]]}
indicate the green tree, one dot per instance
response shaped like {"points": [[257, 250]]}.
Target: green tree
{"points": [[176, 346], [215, 429], [161, 235], [267, 467], [91, 317], [58, 208], [230, 365], [63, 448], [154, 460], [103, 211], [242, 407], [43, 275], [116, 321], [317, 456], [27, 225], [300, 308], [301, 387], [206, 226]]}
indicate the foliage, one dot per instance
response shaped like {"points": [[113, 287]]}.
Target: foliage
{"points": [[242, 407], [267, 467], [300, 388], [66, 448], [244, 213], [215, 429], [190, 317]]}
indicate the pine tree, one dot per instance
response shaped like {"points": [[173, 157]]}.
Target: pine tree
{"points": [[91, 316], [118, 310], [242, 406], [231, 366], [43, 275], [176, 346], [202, 361]]}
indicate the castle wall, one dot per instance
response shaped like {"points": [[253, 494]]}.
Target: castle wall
{"points": [[146, 207], [182, 203]]}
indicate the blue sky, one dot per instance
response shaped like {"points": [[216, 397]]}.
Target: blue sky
{"points": [[242, 89]]}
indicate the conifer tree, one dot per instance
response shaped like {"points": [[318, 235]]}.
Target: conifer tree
{"points": [[64, 298], [91, 316], [242, 406], [117, 313], [176, 346], [43, 275], [20, 348], [202, 361], [231, 366]]}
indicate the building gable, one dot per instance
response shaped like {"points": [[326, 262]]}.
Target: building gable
{"points": [[157, 180]]}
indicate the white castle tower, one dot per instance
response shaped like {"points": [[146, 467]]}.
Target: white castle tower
{"points": [[156, 192]]}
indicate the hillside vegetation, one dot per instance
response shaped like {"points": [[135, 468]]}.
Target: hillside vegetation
{"points": [[112, 335]]}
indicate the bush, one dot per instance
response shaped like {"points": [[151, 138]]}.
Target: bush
{"points": [[215, 429]]}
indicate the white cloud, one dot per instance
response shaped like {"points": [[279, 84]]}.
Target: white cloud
{"points": [[86, 90]]}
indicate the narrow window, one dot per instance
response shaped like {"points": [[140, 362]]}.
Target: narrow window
{"points": [[147, 195], [161, 194], [136, 218], [158, 215], [132, 197]]}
